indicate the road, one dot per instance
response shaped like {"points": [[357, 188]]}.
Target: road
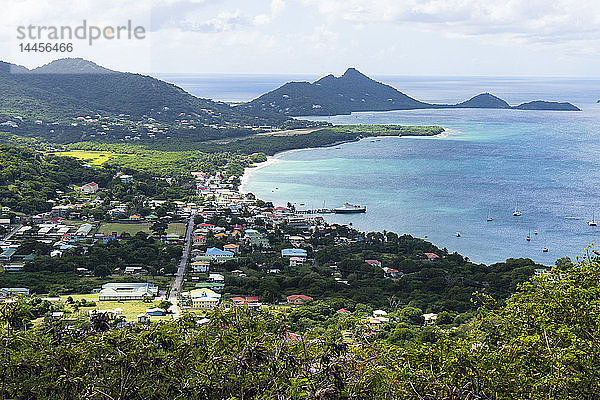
{"points": [[176, 288], [7, 237]]}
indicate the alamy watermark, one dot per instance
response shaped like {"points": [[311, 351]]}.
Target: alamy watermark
{"points": [[52, 38]]}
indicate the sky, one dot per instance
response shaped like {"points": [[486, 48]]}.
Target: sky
{"points": [[317, 37]]}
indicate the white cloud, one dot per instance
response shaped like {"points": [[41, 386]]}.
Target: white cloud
{"points": [[532, 20], [277, 7]]}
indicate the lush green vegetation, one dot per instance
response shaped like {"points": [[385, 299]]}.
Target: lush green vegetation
{"points": [[542, 344], [59, 274], [29, 179], [168, 163], [443, 284]]}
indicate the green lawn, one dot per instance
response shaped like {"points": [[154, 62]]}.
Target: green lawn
{"points": [[130, 308], [132, 229]]}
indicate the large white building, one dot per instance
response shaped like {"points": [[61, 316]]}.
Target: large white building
{"points": [[127, 291]]}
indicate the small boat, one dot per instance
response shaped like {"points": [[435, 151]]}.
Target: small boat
{"points": [[545, 250], [457, 234], [516, 213], [535, 232], [528, 238], [489, 219], [350, 209], [593, 221]]}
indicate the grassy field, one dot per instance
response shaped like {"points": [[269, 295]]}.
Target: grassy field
{"points": [[95, 158], [130, 308], [132, 229]]}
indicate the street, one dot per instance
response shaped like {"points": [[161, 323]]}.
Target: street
{"points": [[178, 282]]}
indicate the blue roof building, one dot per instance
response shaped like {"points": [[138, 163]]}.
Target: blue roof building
{"points": [[293, 253]]}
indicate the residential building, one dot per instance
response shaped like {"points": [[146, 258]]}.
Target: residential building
{"points": [[89, 188], [293, 253], [298, 299], [219, 255]]}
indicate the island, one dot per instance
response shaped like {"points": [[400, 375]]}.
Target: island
{"points": [[354, 91]]}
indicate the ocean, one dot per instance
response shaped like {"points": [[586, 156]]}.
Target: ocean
{"points": [[488, 162]]}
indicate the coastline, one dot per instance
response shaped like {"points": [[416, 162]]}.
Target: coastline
{"points": [[248, 171]]}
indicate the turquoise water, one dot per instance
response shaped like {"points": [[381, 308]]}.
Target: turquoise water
{"points": [[548, 163]]}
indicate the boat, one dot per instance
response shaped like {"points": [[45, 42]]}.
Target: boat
{"points": [[516, 213], [350, 209], [593, 221], [545, 250], [457, 234], [528, 238], [489, 219], [535, 232]]}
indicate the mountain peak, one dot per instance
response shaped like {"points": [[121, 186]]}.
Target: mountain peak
{"points": [[354, 73], [71, 66]]}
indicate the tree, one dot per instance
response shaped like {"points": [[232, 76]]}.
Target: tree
{"points": [[159, 228], [165, 305]]}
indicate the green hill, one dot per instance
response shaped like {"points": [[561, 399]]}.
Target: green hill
{"points": [[354, 91]]}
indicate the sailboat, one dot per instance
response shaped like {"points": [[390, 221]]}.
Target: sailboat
{"points": [[593, 221], [489, 219], [528, 238], [535, 232], [516, 213], [545, 250]]}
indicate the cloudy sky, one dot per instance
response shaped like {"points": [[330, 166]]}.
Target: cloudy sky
{"points": [[393, 37]]}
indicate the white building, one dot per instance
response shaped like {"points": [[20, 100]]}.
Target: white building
{"points": [[127, 291]]}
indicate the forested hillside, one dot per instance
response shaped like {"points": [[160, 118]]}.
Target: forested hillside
{"points": [[543, 344]]}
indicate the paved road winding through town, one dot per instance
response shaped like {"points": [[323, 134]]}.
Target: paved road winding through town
{"points": [[176, 288]]}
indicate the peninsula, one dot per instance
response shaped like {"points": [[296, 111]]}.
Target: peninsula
{"points": [[354, 91]]}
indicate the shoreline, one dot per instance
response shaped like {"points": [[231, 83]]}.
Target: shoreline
{"points": [[248, 171]]}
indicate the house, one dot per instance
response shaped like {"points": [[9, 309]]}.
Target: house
{"points": [[134, 270], [215, 286], [143, 318], [126, 178], [84, 230], [296, 261], [200, 266], [7, 254], [255, 238], [135, 217], [235, 248], [204, 298], [374, 323], [199, 240], [172, 237], [298, 299], [216, 278], [89, 188], [5, 222], [374, 263], [14, 267], [219, 255], [430, 318], [294, 253], [343, 311], [8, 292], [431, 256], [155, 311], [127, 291], [392, 273]]}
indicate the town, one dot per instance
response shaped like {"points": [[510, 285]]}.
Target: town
{"points": [[210, 241]]}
